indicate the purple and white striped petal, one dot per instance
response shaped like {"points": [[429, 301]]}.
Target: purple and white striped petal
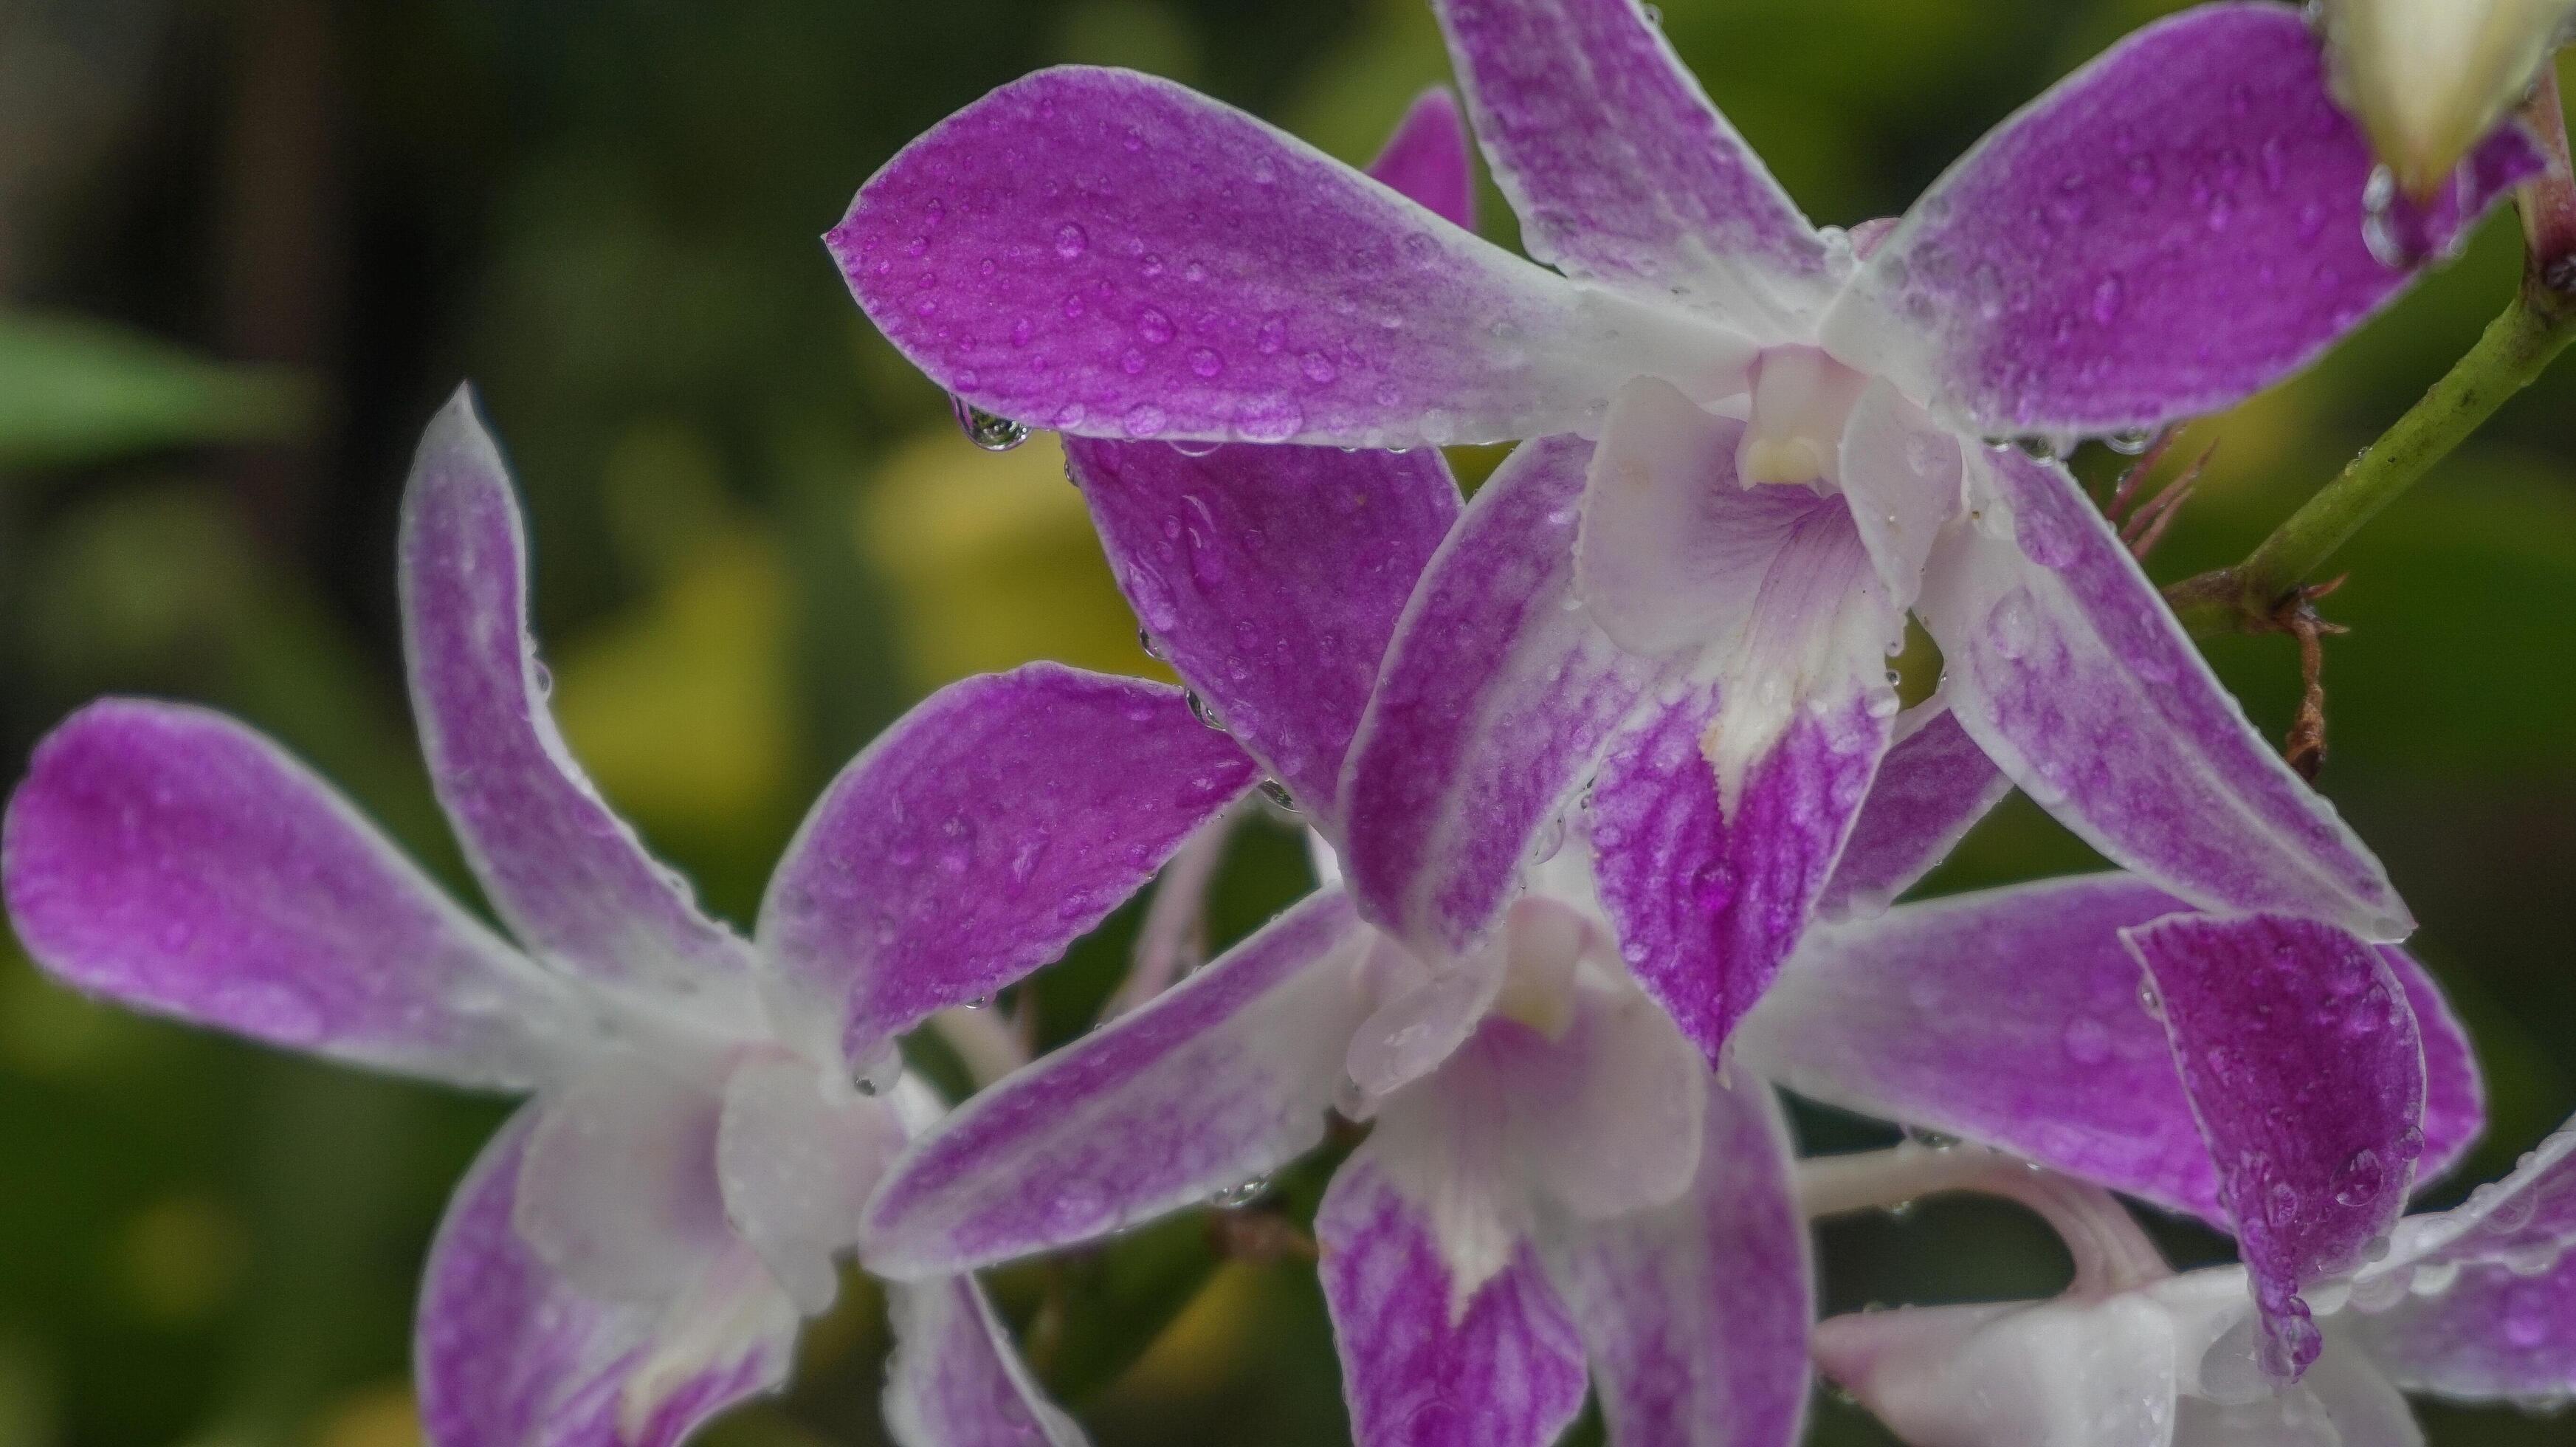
{"points": [[1695, 1314], [1425, 1363], [2494, 1333], [507, 1353], [1934, 784], [2525, 1220], [1112, 255], [956, 1378], [2167, 231], [1620, 168], [567, 875], [1495, 700], [2303, 1064], [1891, 1017], [980, 835], [1430, 160], [1223, 1078], [175, 861], [2065, 664], [1271, 578], [1709, 882]]}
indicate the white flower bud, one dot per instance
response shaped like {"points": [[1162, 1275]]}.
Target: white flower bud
{"points": [[2429, 78]]}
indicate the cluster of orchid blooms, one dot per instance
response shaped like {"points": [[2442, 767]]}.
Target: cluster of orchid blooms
{"points": [[1608, 782]]}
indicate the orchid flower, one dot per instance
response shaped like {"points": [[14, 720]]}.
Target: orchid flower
{"points": [[2473, 1304], [634, 1251], [1791, 429]]}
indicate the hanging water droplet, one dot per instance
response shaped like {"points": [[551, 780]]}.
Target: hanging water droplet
{"points": [[980, 1002], [2131, 441], [1152, 646], [1199, 710], [2380, 222], [1277, 793], [1930, 1139], [1549, 840], [2040, 448], [1240, 1194], [984, 429], [1899, 1210]]}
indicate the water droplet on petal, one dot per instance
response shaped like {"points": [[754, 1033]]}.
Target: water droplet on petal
{"points": [[986, 430], [1071, 240]]}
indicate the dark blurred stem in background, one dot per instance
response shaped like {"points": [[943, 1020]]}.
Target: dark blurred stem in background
{"points": [[280, 249], [2251, 596]]}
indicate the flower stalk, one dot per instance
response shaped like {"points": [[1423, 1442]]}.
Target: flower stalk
{"points": [[2517, 346]]}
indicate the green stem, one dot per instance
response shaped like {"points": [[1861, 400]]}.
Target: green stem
{"points": [[2517, 345], [2539, 325]]}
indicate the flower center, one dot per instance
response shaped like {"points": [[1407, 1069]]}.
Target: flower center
{"points": [[1800, 400]]}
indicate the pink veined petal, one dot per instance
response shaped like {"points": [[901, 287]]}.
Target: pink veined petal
{"points": [[1709, 887], [1695, 1314], [173, 860], [1934, 784], [1496, 698], [2065, 664], [1222, 1078], [1893, 1017], [2068, 1373], [2495, 1333], [617, 1186], [2304, 1067], [980, 835], [1430, 160], [507, 1351], [567, 875], [956, 1378], [1271, 578], [1112, 255], [797, 1153], [2167, 231], [1424, 1364], [1620, 168]]}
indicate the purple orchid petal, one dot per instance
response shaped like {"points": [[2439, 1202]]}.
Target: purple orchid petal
{"points": [[1222, 1078], [1111, 255], [1271, 578], [1695, 1314], [1425, 1364], [2167, 231], [2304, 1067], [1710, 888], [2493, 1333], [2065, 664], [567, 875], [981, 834], [2523, 1221], [174, 860], [1430, 160], [1620, 168], [1893, 1017], [797, 1153], [1495, 699], [1933, 785], [956, 1379], [507, 1351]]}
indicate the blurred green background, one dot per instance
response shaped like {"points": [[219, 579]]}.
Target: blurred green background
{"points": [[246, 248]]}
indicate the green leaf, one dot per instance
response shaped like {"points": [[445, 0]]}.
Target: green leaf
{"points": [[75, 391]]}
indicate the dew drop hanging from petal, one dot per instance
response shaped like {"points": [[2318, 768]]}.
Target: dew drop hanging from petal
{"points": [[985, 430]]}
